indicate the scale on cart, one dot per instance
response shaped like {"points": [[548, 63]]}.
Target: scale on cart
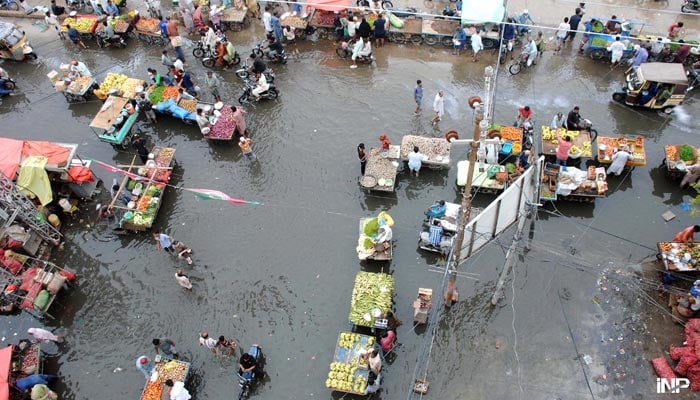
{"points": [[422, 305]]}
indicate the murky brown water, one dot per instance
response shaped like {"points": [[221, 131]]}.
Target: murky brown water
{"points": [[281, 274]]}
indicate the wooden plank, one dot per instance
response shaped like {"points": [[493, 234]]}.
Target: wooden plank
{"points": [[106, 116]]}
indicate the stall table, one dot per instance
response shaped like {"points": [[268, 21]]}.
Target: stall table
{"points": [[580, 139], [76, 91], [377, 256], [164, 158], [106, 118], [439, 31], [348, 363], [380, 172], [481, 182], [223, 127], [672, 254], [147, 30], [509, 134], [636, 145], [323, 21], [411, 32], [371, 299], [234, 19], [16, 363], [675, 168], [593, 186], [294, 21], [175, 370], [84, 24], [435, 150]]}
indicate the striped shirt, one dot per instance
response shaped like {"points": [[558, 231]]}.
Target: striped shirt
{"points": [[435, 235]]}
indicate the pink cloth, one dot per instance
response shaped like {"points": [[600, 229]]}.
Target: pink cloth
{"points": [[42, 334], [563, 150], [387, 342]]}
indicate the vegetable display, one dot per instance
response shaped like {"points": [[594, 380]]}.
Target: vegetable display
{"points": [[147, 25], [294, 22], [172, 369], [170, 92], [153, 391], [371, 291], [428, 146], [82, 25], [189, 105], [323, 18], [686, 153], [156, 95], [349, 371], [113, 81], [224, 126], [511, 133], [671, 153]]}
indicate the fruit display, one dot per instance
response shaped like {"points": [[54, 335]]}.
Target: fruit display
{"points": [[224, 126], [81, 24], [294, 22], [511, 133], [611, 144], [381, 168], [549, 138], [372, 292], [170, 92], [574, 151], [322, 18], [349, 371], [113, 81], [128, 87], [679, 256], [432, 148], [189, 105], [149, 25], [671, 153], [163, 159], [152, 391], [172, 369], [120, 26]]}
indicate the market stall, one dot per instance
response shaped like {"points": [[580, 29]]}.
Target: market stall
{"points": [[84, 24], [147, 30], [114, 121], [380, 172], [435, 150], [164, 369], [608, 146], [120, 24], [572, 183], [140, 197], [297, 22], [75, 89], [17, 362], [322, 20], [492, 179], [678, 158], [511, 139], [451, 219], [411, 32], [369, 247], [371, 299], [680, 257], [348, 370], [581, 147], [436, 31], [234, 19], [119, 85]]}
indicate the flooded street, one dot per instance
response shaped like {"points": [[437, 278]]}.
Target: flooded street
{"points": [[281, 274]]}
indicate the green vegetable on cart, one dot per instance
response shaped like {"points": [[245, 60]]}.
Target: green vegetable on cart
{"points": [[687, 153], [156, 95]]}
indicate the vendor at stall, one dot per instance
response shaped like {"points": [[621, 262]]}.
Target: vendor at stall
{"points": [[437, 210], [372, 383], [563, 149], [619, 160], [203, 121], [687, 234], [691, 176], [79, 68], [384, 237]]}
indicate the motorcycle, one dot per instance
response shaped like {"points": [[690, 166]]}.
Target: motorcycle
{"points": [[243, 73], [345, 51], [210, 60], [103, 41], [153, 7], [270, 94], [80, 6], [7, 87], [690, 7], [405, 12], [11, 5], [200, 51], [365, 3], [276, 58], [247, 379]]}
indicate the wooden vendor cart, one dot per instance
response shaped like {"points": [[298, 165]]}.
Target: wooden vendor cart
{"points": [[558, 184], [482, 182], [371, 299], [76, 90], [380, 173], [607, 146], [367, 249], [436, 31], [234, 19], [676, 168], [175, 370], [323, 22], [298, 23], [84, 24], [679, 257], [147, 30], [435, 150], [410, 33], [581, 139], [113, 123], [348, 370]]}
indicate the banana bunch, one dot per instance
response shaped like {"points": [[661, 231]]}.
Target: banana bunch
{"points": [[371, 291], [586, 149], [342, 377], [551, 134], [113, 81], [348, 340]]}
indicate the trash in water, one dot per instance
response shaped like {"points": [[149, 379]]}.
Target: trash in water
{"points": [[587, 359]]}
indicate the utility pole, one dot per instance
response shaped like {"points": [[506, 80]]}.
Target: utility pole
{"points": [[481, 122]]}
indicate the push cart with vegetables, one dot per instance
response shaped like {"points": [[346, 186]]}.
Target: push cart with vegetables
{"points": [[323, 22], [349, 370], [381, 168], [580, 149], [679, 257], [234, 19], [435, 150], [223, 126], [371, 299], [678, 158], [436, 31], [19, 361], [411, 32], [573, 184], [114, 121], [366, 248], [74, 90], [147, 30], [164, 369], [608, 146], [84, 24], [298, 23], [493, 179], [511, 139]]}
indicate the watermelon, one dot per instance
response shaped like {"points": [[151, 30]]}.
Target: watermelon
{"points": [[395, 21]]}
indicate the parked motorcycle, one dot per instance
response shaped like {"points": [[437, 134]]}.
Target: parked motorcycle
{"points": [[345, 51], [246, 380], [690, 7], [276, 58], [11, 5], [81, 6], [270, 94], [244, 73], [116, 42]]}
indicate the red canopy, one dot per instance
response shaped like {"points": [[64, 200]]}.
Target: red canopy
{"points": [[5, 364], [12, 152], [329, 5]]}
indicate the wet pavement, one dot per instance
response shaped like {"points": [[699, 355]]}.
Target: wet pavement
{"points": [[281, 274]]}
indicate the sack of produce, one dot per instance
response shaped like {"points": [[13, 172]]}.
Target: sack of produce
{"points": [[686, 362], [165, 105], [42, 299], [179, 112], [56, 283], [663, 370]]}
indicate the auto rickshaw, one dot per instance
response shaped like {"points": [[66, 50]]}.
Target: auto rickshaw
{"points": [[659, 86], [14, 44]]}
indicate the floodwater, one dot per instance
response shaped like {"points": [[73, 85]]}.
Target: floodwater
{"points": [[281, 274]]}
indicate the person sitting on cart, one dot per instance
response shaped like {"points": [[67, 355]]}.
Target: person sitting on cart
{"points": [[573, 120], [613, 27], [686, 235], [435, 234], [437, 210], [248, 367]]}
